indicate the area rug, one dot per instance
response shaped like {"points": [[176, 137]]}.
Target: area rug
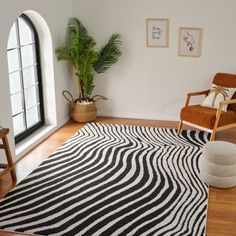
{"points": [[114, 180]]}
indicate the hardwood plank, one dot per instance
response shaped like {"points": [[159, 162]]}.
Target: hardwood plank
{"points": [[221, 219], [4, 233]]}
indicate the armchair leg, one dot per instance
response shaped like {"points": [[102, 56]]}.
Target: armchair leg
{"points": [[180, 126], [213, 134], [218, 113]]}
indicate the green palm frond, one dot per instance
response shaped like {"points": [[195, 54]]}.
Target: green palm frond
{"points": [[86, 69], [108, 54], [87, 59], [63, 53], [74, 46], [74, 26], [88, 86], [75, 31]]}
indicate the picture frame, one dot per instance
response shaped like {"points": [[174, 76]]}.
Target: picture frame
{"points": [[190, 40], [157, 32]]}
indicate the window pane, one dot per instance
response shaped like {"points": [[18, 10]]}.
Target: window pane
{"points": [[12, 40], [30, 77], [32, 116], [26, 36], [16, 103], [23, 77], [15, 82], [28, 57], [18, 124], [31, 96], [13, 60]]}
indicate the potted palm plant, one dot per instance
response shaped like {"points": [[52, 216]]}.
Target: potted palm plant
{"points": [[81, 52]]}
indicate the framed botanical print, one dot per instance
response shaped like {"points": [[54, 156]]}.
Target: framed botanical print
{"points": [[157, 32], [190, 42]]}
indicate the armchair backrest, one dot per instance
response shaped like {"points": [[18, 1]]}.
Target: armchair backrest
{"points": [[226, 80]]}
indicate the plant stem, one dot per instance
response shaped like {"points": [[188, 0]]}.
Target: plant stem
{"points": [[82, 88]]}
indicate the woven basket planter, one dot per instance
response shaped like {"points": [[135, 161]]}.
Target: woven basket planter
{"points": [[83, 112]]}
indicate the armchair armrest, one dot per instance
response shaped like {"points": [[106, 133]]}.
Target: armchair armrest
{"points": [[189, 95], [232, 101], [205, 92], [219, 110], [222, 103]]}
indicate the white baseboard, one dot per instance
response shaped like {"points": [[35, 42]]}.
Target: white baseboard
{"points": [[138, 116]]}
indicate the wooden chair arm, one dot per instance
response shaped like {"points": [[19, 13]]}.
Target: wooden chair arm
{"points": [[219, 110], [232, 101], [205, 92], [189, 95]]}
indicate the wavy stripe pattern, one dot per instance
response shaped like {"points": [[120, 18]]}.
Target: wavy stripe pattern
{"points": [[114, 180]]}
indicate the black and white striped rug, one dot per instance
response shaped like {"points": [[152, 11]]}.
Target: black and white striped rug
{"points": [[114, 180]]}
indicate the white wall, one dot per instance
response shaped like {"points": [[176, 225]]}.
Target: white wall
{"points": [[56, 16], [152, 82]]}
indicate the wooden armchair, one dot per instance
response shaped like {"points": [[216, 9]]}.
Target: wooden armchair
{"points": [[210, 119]]}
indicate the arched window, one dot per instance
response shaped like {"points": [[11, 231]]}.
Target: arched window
{"points": [[25, 78]]}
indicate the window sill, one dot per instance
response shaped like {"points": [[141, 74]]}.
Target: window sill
{"points": [[33, 140]]}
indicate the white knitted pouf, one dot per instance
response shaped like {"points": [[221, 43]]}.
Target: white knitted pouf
{"points": [[218, 164]]}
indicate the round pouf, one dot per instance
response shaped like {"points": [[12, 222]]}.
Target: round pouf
{"points": [[218, 164]]}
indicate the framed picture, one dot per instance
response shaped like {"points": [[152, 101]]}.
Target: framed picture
{"points": [[190, 42], [157, 32]]}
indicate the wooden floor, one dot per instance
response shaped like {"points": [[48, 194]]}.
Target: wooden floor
{"points": [[221, 219]]}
